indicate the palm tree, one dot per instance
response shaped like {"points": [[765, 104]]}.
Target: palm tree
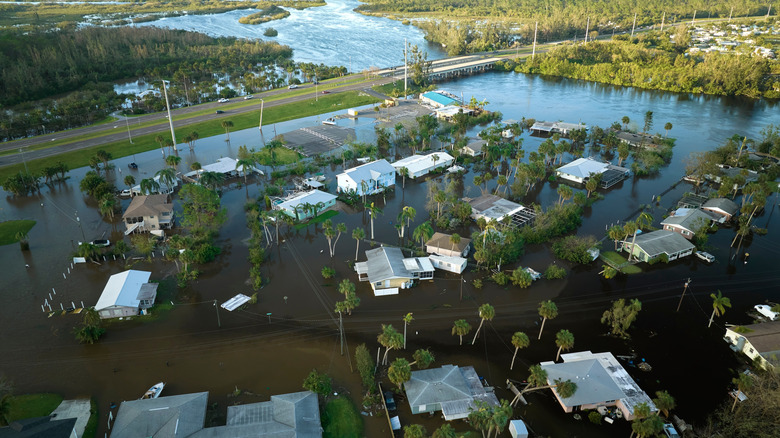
{"points": [[400, 371], [564, 193], [667, 128], [743, 382], [340, 228], [665, 402], [196, 167], [719, 304], [404, 172], [166, 176], [358, 234], [149, 186], [439, 198], [423, 233], [373, 210], [130, 181], [246, 165], [408, 318], [630, 228], [161, 141], [519, 340], [405, 217], [172, 160], [454, 240], [226, 125], [461, 328], [564, 339], [107, 206], [423, 358], [547, 310], [390, 339], [625, 121], [486, 312], [104, 157], [642, 223], [211, 180], [444, 431], [616, 233]]}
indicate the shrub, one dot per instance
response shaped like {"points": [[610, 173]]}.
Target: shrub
{"points": [[594, 417], [271, 32], [554, 272], [574, 249], [477, 283], [328, 272], [500, 278]]}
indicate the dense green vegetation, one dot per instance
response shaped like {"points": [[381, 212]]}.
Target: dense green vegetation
{"points": [[10, 229], [340, 419], [562, 18], [270, 13], [32, 405], [650, 61]]}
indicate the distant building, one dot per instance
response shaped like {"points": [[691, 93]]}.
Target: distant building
{"points": [[687, 221], [163, 188], [649, 246], [549, 128], [582, 169], [451, 389], [723, 207], [421, 165], [225, 166], [300, 205], [759, 342], [495, 208], [439, 99], [441, 243], [149, 213], [600, 380], [388, 271], [367, 178], [474, 148], [183, 416], [126, 294], [637, 140], [691, 200]]}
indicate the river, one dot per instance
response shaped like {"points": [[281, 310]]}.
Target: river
{"points": [[192, 349]]}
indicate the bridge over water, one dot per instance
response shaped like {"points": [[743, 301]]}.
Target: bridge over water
{"points": [[450, 67]]}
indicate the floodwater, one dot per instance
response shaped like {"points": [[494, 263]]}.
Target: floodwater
{"points": [[332, 34], [270, 347]]}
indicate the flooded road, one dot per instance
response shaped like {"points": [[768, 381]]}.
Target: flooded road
{"points": [[198, 347]]}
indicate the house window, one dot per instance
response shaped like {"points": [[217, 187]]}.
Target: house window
{"points": [[751, 350], [379, 284]]}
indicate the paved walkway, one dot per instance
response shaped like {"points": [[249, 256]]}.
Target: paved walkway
{"points": [[78, 409]]}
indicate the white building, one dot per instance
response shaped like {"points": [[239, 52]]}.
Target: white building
{"points": [[367, 179], [759, 342], [163, 190], [303, 205], [581, 170], [226, 166], [448, 263], [125, 294], [420, 165], [388, 271]]}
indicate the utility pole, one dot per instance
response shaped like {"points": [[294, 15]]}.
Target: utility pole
{"points": [[461, 287], [587, 28], [663, 18], [128, 130], [683, 294], [730, 13], [27, 172], [262, 103], [693, 20], [170, 119], [406, 73], [768, 11], [219, 323], [81, 228], [536, 28], [633, 26], [341, 333]]}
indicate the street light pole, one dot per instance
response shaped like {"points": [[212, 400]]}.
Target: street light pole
{"points": [[170, 119], [262, 103], [683, 294], [83, 236], [219, 323]]}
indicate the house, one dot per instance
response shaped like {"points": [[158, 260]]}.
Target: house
{"points": [[148, 214], [495, 208], [580, 171], [549, 128], [420, 165], [759, 342], [163, 189], [442, 244], [732, 173], [126, 294], [474, 148], [226, 166], [687, 221], [302, 205], [367, 179], [183, 416], [448, 263], [650, 246], [387, 270], [448, 113], [439, 99], [451, 389], [600, 380], [637, 139], [691, 200], [724, 208], [40, 427]]}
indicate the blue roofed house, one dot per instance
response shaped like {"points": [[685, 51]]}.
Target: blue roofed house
{"points": [[439, 99], [367, 179]]}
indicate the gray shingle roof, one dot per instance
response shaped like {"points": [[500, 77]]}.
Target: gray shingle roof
{"points": [[442, 240], [724, 204], [691, 220], [455, 388], [176, 416], [151, 205], [662, 241], [385, 263], [39, 427]]}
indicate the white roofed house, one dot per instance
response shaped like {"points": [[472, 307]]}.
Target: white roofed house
{"points": [[126, 294], [225, 166], [495, 208], [388, 271], [582, 169], [303, 205], [421, 165], [367, 179]]}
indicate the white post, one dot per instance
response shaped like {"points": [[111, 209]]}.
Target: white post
{"points": [[51, 297], [533, 52], [43, 309], [82, 304], [55, 292], [633, 26], [406, 71], [63, 276], [262, 104], [62, 307], [663, 18], [730, 13], [72, 304], [170, 119], [693, 20], [587, 28]]}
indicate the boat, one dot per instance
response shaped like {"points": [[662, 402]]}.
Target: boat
{"points": [[534, 274], [329, 122], [154, 391], [707, 257]]}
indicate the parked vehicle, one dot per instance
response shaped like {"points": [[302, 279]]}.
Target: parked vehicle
{"points": [[248, 96], [132, 166], [389, 401], [292, 87], [220, 112], [707, 257], [224, 100], [326, 92], [101, 243]]}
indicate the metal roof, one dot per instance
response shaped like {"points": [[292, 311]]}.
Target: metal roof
{"points": [[385, 263], [439, 98], [176, 416], [310, 197], [583, 167], [662, 242], [724, 204], [688, 218], [122, 289], [419, 163], [369, 171], [455, 388]]}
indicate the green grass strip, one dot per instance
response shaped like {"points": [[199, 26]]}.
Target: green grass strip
{"points": [[317, 220], [80, 158], [340, 419], [8, 230], [618, 260], [32, 405]]}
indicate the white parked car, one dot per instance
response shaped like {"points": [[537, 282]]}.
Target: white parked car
{"points": [[707, 257], [223, 100], [292, 87], [248, 96]]}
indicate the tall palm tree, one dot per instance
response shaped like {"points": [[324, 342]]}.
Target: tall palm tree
{"points": [[564, 339], [211, 180], [226, 125], [167, 176], [461, 328], [408, 318], [519, 340], [161, 141], [423, 233], [390, 339], [665, 402], [486, 312], [107, 206], [149, 186], [358, 234], [667, 128], [404, 172], [719, 304], [642, 223], [616, 233], [373, 210], [172, 160], [130, 181], [547, 310], [246, 165], [454, 240]]}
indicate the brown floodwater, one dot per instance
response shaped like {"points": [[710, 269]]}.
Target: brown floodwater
{"points": [[199, 347]]}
